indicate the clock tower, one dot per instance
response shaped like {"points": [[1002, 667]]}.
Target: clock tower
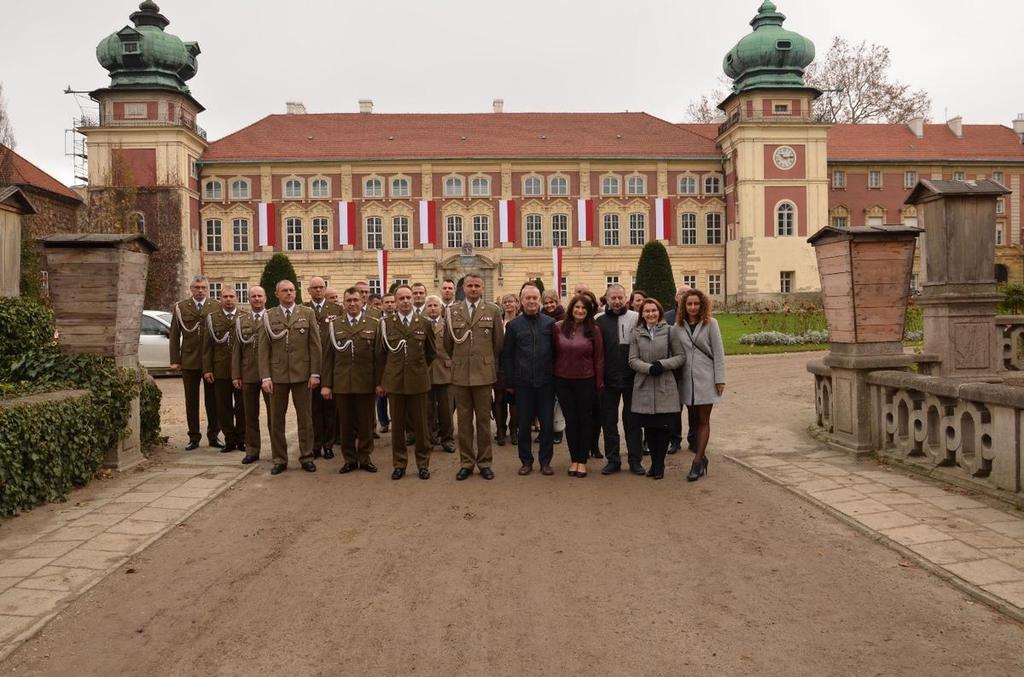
{"points": [[776, 176]]}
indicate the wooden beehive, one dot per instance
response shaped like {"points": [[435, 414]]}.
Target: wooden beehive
{"points": [[865, 280]]}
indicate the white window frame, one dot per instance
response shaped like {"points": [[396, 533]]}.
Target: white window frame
{"points": [[998, 177], [840, 221], [245, 193], [213, 189], [838, 178], [713, 228], [401, 186], [688, 185], [293, 234], [558, 184], [563, 287], [712, 184], [214, 235], [690, 280], [610, 235], [636, 184], [609, 280], [242, 291], [480, 186], [714, 284], [611, 184], [999, 234], [1000, 205], [688, 225], [293, 189], [373, 186], [787, 281], [321, 230], [533, 228], [400, 232], [374, 284], [453, 235], [785, 210], [874, 178], [454, 186], [481, 231], [373, 226], [559, 230], [215, 288], [533, 185], [909, 179], [959, 176], [240, 234], [315, 190], [637, 229]]}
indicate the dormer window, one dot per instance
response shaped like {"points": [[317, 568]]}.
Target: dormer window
{"points": [[131, 48]]}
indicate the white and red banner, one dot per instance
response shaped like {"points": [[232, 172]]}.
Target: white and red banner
{"points": [[382, 269], [506, 221], [585, 220], [428, 222], [556, 265], [662, 218], [267, 225], [346, 222]]}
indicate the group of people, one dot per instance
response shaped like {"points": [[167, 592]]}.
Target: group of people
{"points": [[417, 364]]}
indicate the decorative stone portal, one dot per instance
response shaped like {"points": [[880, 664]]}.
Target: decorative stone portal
{"points": [[457, 267]]}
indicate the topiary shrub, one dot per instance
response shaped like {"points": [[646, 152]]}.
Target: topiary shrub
{"points": [[278, 268], [654, 274]]}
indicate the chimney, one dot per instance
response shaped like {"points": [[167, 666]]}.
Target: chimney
{"points": [[1018, 126], [365, 105], [499, 105], [956, 125], [295, 108], [917, 126]]}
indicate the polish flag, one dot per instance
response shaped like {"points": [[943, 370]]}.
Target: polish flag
{"points": [[584, 220], [428, 222], [382, 269], [346, 222], [556, 265], [506, 221], [662, 218], [267, 224]]}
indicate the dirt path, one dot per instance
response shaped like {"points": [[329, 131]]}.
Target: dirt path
{"points": [[356, 574]]}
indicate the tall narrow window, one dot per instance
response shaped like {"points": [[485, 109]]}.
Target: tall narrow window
{"points": [[240, 234], [874, 179], [997, 177], [453, 231], [321, 234], [400, 232], [958, 176], [999, 234], [534, 230], [320, 188], [838, 179], [637, 230], [374, 283], [611, 230], [215, 288], [688, 228], [374, 232], [559, 230], [293, 234], [214, 235], [481, 231], [242, 291], [785, 217], [786, 281], [713, 222], [909, 179], [715, 284]]}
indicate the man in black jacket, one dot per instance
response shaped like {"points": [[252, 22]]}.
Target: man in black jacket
{"points": [[617, 324], [527, 361]]}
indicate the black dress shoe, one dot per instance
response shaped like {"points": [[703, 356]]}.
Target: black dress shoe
{"points": [[611, 468], [673, 447], [249, 458], [278, 469], [448, 448], [424, 473], [347, 468], [368, 467], [385, 428], [216, 444], [328, 453], [557, 438], [398, 474], [500, 440], [487, 473], [227, 448], [596, 454], [309, 466], [240, 447], [191, 446], [316, 452], [463, 473], [637, 469]]}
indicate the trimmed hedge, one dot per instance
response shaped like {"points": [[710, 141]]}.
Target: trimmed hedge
{"points": [[25, 324], [150, 397]]}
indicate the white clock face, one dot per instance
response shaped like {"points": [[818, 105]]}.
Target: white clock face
{"points": [[784, 157]]}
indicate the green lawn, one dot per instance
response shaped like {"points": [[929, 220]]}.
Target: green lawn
{"points": [[733, 328]]}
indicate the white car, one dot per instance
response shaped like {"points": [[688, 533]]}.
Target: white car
{"points": [[155, 341]]}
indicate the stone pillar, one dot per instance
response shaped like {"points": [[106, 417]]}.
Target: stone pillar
{"points": [[97, 285]]}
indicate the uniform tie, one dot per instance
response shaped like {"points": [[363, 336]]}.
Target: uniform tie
{"points": [[351, 321], [472, 309], [405, 321], [287, 313], [258, 316]]}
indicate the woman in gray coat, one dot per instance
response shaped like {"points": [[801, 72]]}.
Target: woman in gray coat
{"points": [[655, 394], [696, 335]]}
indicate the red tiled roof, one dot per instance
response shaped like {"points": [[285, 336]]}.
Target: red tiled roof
{"points": [[353, 136], [18, 171], [709, 130], [893, 142]]}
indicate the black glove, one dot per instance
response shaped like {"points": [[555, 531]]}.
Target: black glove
{"points": [[656, 369]]}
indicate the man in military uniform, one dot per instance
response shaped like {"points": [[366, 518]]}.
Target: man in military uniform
{"points": [[405, 349], [188, 323], [325, 422], [245, 371], [419, 297], [440, 407], [218, 340], [474, 339], [289, 353], [350, 378], [367, 299], [447, 293]]}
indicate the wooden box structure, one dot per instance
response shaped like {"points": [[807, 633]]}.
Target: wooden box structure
{"points": [[865, 280], [97, 286]]}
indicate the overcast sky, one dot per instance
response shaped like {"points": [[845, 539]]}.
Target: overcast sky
{"points": [[457, 55]]}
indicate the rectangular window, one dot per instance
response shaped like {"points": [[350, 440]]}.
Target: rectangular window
{"points": [[715, 284], [240, 234], [781, 108], [374, 283], [533, 185], [374, 232], [875, 221], [999, 234], [293, 234], [242, 290], [481, 232], [909, 179], [609, 280], [874, 179], [611, 230], [786, 282], [913, 282], [690, 281], [453, 229], [400, 281], [136, 111], [559, 230], [840, 222], [997, 177], [534, 231], [193, 168], [130, 48], [321, 234], [713, 222], [1000, 205], [215, 288], [958, 176], [563, 287], [400, 232], [838, 179], [637, 230], [214, 235], [688, 228]]}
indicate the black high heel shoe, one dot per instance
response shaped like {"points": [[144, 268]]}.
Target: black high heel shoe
{"points": [[697, 469]]}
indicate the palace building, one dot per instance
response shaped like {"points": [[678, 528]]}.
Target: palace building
{"points": [[513, 196]]}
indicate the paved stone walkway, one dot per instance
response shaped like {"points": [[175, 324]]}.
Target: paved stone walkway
{"points": [[51, 555], [974, 542]]}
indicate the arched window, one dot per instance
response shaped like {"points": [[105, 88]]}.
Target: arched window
{"points": [[400, 187], [320, 188], [293, 188], [532, 185], [480, 186], [137, 223], [712, 185], [454, 187], [635, 185], [240, 189], [610, 185], [559, 185], [213, 190], [687, 185], [373, 188], [785, 218]]}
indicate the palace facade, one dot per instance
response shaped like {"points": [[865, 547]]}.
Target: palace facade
{"points": [[430, 196]]}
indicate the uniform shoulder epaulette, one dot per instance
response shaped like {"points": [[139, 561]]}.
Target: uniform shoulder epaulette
{"points": [[372, 318]]}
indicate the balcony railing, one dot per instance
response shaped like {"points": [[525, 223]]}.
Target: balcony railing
{"points": [[739, 116], [87, 121]]}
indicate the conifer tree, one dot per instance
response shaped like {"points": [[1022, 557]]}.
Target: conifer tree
{"points": [[654, 274], [278, 268]]}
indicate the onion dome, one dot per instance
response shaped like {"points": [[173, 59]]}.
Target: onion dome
{"points": [[770, 56], [146, 56]]}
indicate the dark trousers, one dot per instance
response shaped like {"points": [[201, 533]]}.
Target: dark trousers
{"points": [[692, 421], [504, 408], [251, 393], [536, 403], [657, 442], [577, 397], [191, 378], [382, 411], [230, 411], [440, 412], [355, 413], [299, 393], [410, 408], [325, 422], [610, 422]]}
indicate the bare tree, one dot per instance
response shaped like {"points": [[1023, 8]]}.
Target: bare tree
{"points": [[705, 109], [857, 87], [6, 139]]}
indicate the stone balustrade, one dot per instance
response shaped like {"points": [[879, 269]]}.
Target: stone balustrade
{"points": [[1010, 329]]}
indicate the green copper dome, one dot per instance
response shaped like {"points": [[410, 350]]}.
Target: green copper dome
{"points": [[146, 56], [770, 56]]}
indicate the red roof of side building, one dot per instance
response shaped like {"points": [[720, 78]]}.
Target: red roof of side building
{"points": [[357, 136], [18, 171], [896, 142]]}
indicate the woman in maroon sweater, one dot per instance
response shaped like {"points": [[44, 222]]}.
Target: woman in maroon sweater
{"points": [[579, 376]]}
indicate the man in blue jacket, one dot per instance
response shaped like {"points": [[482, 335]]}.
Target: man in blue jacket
{"points": [[528, 363]]}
